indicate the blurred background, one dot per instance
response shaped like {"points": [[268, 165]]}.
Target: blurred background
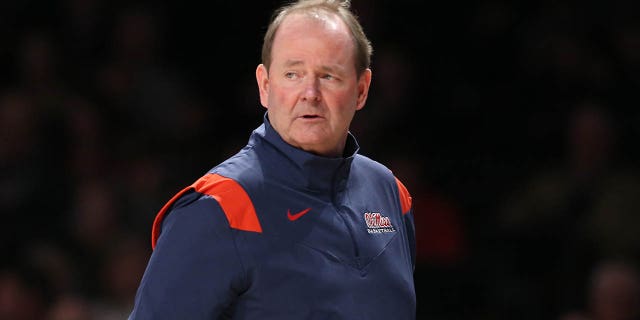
{"points": [[514, 125]]}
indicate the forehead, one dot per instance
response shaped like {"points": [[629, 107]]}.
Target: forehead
{"points": [[329, 20], [313, 29]]}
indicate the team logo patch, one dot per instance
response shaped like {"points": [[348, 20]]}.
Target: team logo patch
{"points": [[377, 223]]}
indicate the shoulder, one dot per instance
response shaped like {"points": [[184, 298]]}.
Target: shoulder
{"points": [[232, 198], [210, 194], [364, 163], [379, 172], [367, 166], [245, 167]]}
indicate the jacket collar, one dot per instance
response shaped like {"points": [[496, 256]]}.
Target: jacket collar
{"points": [[302, 168]]}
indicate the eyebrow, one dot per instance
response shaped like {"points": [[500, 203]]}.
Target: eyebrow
{"points": [[295, 63]]}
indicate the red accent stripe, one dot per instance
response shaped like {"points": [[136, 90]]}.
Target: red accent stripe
{"points": [[405, 197], [233, 199], [157, 223]]}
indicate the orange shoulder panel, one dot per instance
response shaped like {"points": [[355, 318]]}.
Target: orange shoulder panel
{"points": [[157, 223], [233, 200], [405, 197]]}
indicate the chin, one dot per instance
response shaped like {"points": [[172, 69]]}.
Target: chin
{"points": [[310, 145], [311, 140]]}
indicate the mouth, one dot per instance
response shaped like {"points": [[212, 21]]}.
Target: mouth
{"points": [[310, 116]]}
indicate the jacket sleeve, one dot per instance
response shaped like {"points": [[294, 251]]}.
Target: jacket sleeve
{"points": [[406, 205], [194, 271], [411, 236]]}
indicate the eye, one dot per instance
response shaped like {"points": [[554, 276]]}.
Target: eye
{"points": [[328, 77], [290, 75]]}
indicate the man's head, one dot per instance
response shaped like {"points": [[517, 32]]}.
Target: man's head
{"points": [[315, 74]]}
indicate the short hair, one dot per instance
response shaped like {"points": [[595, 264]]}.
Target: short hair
{"points": [[363, 48]]}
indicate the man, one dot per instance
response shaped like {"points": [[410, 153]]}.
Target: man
{"points": [[296, 225]]}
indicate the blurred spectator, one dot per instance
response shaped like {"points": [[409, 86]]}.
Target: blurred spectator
{"points": [[38, 65], [23, 293], [55, 264], [120, 275], [571, 214], [87, 151], [95, 215], [83, 26], [22, 168], [613, 293], [69, 307], [92, 227], [150, 100], [141, 180], [388, 103]]}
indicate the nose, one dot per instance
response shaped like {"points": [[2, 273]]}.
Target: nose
{"points": [[311, 89]]}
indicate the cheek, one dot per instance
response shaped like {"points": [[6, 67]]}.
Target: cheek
{"points": [[281, 96], [345, 101]]}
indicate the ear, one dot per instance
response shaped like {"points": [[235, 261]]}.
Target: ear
{"points": [[364, 81], [262, 77]]}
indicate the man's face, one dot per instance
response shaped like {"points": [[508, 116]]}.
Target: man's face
{"points": [[312, 91]]}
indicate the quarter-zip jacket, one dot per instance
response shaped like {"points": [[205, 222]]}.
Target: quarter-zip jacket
{"points": [[275, 232]]}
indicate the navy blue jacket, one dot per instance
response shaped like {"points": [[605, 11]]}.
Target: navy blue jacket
{"points": [[275, 232]]}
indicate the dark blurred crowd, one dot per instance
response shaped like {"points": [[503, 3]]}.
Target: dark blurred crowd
{"points": [[514, 125]]}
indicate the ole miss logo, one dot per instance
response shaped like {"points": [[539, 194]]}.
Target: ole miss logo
{"points": [[377, 223]]}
